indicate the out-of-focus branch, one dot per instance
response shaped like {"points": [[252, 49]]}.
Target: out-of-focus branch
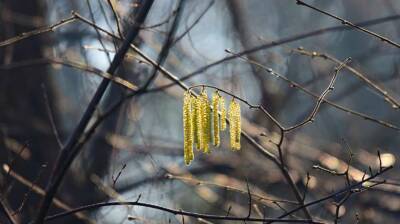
{"points": [[196, 182], [40, 191], [36, 32], [73, 64], [116, 18], [7, 212]]}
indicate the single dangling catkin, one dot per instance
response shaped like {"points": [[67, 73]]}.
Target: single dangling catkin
{"points": [[234, 124], [238, 126], [205, 122], [223, 113], [215, 118], [199, 123], [187, 128], [196, 137]]}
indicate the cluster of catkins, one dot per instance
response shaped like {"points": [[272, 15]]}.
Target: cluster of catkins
{"points": [[202, 125]]}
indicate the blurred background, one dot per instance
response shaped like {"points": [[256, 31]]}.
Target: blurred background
{"points": [[138, 150]]}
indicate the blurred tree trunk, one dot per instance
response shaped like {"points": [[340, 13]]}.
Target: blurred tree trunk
{"points": [[240, 24], [24, 116]]}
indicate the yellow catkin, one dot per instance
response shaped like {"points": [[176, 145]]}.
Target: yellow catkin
{"points": [[196, 139], [199, 123], [238, 126], [205, 122], [234, 125], [223, 113], [215, 118], [187, 129]]}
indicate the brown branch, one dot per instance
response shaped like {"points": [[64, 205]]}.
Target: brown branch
{"points": [[310, 117], [51, 117], [308, 92], [97, 32], [321, 98], [384, 93], [197, 20], [273, 44], [176, 212], [73, 64], [40, 191], [116, 18], [7, 212], [197, 182], [349, 188], [36, 32], [350, 24]]}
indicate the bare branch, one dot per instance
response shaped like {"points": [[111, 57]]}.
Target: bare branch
{"points": [[176, 212], [350, 24]]}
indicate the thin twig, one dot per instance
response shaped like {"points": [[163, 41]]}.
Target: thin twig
{"points": [[40, 191], [306, 186], [175, 212], [249, 202], [308, 92], [51, 117], [384, 93], [258, 197], [7, 212], [197, 20], [309, 118], [350, 24], [351, 187], [28, 193], [118, 175], [36, 32], [98, 32], [116, 18], [320, 99], [167, 45], [267, 46], [73, 64]]}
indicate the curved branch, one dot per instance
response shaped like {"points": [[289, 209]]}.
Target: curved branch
{"points": [[175, 212], [350, 24]]}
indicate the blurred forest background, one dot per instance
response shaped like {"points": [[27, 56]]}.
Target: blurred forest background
{"points": [[49, 76]]}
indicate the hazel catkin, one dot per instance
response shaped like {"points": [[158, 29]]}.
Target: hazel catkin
{"points": [[187, 128], [223, 113], [215, 118], [234, 124], [202, 126], [205, 121]]}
